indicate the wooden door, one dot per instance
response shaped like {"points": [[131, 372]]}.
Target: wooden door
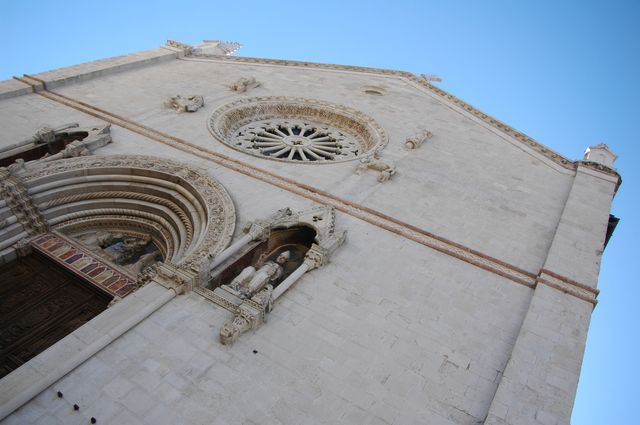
{"points": [[41, 303]]}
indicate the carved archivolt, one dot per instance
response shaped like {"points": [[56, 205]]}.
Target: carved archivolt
{"points": [[189, 215], [296, 129]]}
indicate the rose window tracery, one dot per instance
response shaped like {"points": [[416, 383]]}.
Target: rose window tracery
{"points": [[305, 131], [297, 140]]}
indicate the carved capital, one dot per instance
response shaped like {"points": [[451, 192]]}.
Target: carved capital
{"points": [[172, 277], [319, 254], [249, 315]]}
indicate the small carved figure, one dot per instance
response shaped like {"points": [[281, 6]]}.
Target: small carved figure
{"points": [[185, 103], [416, 141], [385, 169], [244, 84]]}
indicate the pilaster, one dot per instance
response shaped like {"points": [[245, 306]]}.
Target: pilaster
{"points": [[539, 383]]}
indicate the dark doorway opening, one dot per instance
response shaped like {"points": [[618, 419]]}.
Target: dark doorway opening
{"points": [[41, 303]]}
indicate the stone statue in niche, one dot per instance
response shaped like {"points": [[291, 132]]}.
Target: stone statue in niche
{"points": [[250, 280]]}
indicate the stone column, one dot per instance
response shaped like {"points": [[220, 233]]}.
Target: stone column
{"points": [[539, 383]]}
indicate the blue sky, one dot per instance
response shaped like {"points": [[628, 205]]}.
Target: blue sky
{"points": [[565, 73]]}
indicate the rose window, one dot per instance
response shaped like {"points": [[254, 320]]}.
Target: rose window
{"points": [[298, 130], [296, 140]]}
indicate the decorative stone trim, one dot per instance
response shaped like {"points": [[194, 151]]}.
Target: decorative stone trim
{"points": [[568, 286], [252, 305], [16, 196], [343, 125], [81, 262], [200, 205]]}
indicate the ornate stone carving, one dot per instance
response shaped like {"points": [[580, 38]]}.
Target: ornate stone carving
{"points": [[15, 194], [213, 205], [172, 277], [414, 142], [146, 275], [319, 254], [250, 295], [261, 229], [88, 139], [296, 129], [244, 84], [385, 169], [249, 315], [189, 103]]}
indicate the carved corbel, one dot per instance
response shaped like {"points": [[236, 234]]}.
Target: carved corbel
{"points": [[416, 141], [249, 315]]}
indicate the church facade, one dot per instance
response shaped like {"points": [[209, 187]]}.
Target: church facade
{"points": [[187, 236]]}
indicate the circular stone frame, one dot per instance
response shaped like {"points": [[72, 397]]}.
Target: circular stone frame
{"points": [[228, 119]]}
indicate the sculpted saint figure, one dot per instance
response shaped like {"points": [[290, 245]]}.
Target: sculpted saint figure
{"points": [[250, 280]]}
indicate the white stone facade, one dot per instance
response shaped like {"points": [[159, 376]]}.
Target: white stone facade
{"points": [[461, 295]]}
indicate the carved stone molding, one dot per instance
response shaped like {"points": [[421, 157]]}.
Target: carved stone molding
{"points": [[200, 205], [295, 129], [16, 197], [189, 103], [568, 286]]}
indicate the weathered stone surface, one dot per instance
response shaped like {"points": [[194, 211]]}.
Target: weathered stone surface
{"points": [[463, 292]]}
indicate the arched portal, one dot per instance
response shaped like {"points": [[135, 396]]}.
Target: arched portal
{"points": [[100, 220]]}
